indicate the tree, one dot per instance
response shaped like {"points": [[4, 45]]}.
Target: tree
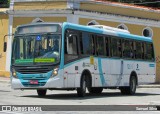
{"points": [[148, 3], [4, 3]]}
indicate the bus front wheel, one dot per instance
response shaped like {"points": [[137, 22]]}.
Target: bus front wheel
{"points": [[132, 87], [41, 92], [81, 92]]}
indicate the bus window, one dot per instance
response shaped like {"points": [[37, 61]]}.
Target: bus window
{"points": [[93, 44], [116, 47], [81, 43], [107, 46], [143, 50], [149, 52], [87, 43], [138, 50], [71, 46], [152, 52], [131, 49], [100, 45], [119, 45], [127, 53]]}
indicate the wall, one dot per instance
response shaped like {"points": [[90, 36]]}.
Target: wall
{"points": [[3, 31], [40, 5], [121, 9]]}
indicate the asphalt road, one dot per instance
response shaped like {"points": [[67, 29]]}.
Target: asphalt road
{"points": [[144, 96]]}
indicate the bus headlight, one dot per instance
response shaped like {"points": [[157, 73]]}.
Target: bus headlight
{"points": [[14, 74], [55, 72]]}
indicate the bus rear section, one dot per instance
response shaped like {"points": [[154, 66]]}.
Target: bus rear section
{"points": [[98, 59]]}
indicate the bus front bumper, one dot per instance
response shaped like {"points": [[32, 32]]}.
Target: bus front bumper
{"points": [[54, 82]]}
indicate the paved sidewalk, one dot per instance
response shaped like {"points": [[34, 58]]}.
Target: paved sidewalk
{"points": [[149, 86], [4, 79], [7, 80]]}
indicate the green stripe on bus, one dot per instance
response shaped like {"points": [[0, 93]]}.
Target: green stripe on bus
{"points": [[43, 60], [24, 61], [36, 60]]}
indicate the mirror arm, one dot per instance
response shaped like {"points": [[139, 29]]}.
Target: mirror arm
{"points": [[5, 43]]}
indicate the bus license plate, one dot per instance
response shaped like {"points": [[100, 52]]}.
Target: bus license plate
{"points": [[33, 82]]}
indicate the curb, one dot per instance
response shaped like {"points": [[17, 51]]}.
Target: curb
{"points": [[149, 86], [4, 79]]}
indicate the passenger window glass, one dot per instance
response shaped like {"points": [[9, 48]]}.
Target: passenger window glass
{"points": [[138, 50], [149, 52], [100, 45], [116, 47], [87, 43], [71, 45], [107, 46], [128, 49]]}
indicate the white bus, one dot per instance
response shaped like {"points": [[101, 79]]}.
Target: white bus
{"points": [[65, 56]]}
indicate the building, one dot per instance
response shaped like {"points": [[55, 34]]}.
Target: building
{"points": [[4, 18], [137, 19]]}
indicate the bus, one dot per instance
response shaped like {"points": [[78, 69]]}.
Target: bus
{"points": [[66, 56]]}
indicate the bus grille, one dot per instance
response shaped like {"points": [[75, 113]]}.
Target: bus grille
{"points": [[35, 78], [33, 70], [27, 84]]}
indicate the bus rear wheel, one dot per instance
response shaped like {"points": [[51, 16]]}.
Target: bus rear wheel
{"points": [[95, 90], [41, 92], [131, 90]]}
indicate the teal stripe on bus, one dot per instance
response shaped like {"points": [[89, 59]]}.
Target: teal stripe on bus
{"points": [[151, 65], [101, 72]]}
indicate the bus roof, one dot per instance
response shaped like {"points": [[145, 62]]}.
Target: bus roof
{"points": [[106, 32], [95, 30], [38, 23]]}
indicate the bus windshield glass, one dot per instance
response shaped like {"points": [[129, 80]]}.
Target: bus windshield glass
{"points": [[36, 49]]}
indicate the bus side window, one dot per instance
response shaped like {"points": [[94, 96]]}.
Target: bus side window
{"points": [[138, 50], [100, 45], [149, 51], [127, 49], [71, 46], [107, 46], [131, 49], [119, 46], [143, 50], [116, 47], [87, 43], [81, 43], [152, 52], [93, 44]]}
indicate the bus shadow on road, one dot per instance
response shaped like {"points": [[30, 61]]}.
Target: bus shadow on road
{"points": [[73, 96]]}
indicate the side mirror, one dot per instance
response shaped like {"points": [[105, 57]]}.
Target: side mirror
{"points": [[5, 43], [5, 47]]}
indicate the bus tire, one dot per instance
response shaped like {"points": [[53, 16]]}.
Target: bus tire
{"points": [[95, 90], [131, 90], [41, 92], [81, 92]]}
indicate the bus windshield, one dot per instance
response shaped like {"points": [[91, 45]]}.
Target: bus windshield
{"points": [[36, 49]]}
